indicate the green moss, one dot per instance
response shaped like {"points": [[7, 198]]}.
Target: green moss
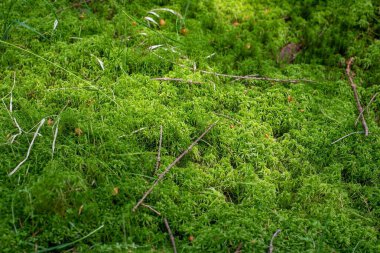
{"points": [[268, 164]]}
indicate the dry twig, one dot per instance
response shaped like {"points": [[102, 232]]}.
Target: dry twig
{"points": [[271, 248], [369, 103], [256, 77], [158, 163], [170, 235], [168, 79], [353, 86], [152, 209], [238, 249], [161, 176]]}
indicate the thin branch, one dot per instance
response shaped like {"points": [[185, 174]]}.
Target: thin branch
{"points": [[236, 77], [167, 79], [227, 117], [360, 132], [170, 235], [152, 209], [353, 86], [29, 149], [238, 249], [161, 176], [369, 103], [271, 248], [158, 163], [256, 77]]}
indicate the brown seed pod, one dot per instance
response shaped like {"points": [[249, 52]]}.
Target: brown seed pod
{"points": [[184, 31], [162, 22]]}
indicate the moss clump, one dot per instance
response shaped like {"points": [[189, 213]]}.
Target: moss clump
{"points": [[269, 164]]}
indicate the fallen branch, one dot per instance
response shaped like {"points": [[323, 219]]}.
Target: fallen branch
{"points": [[29, 149], [158, 163], [271, 248], [161, 176], [170, 235], [356, 96], [167, 79]]}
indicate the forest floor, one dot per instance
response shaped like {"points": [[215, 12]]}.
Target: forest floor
{"points": [[238, 115]]}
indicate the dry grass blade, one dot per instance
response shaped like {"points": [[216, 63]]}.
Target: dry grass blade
{"points": [[55, 134], [167, 79], [29, 149], [347, 135], [161, 176]]}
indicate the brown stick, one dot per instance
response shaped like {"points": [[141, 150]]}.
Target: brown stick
{"points": [[158, 163], [170, 235], [271, 248], [161, 176], [356, 96], [255, 77], [167, 79], [372, 99], [238, 249], [152, 209]]}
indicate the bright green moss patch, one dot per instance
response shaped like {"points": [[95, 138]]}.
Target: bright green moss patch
{"points": [[271, 162]]}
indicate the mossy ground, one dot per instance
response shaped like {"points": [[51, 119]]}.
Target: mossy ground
{"points": [[268, 164]]}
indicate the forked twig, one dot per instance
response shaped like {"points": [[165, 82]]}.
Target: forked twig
{"points": [[29, 149], [158, 162], [369, 103], [356, 96], [271, 247], [170, 235], [161, 176], [167, 79]]}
